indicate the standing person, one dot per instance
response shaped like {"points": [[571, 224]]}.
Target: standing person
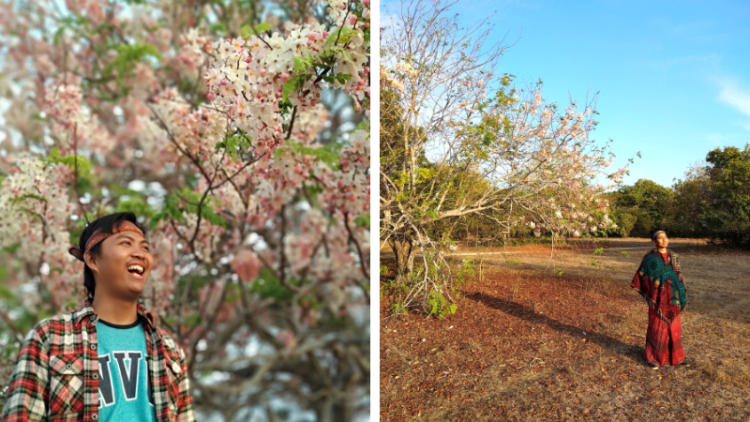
{"points": [[104, 361], [659, 281]]}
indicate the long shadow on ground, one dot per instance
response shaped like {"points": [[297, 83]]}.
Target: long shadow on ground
{"points": [[634, 353]]}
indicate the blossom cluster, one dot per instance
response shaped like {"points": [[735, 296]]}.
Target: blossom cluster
{"points": [[177, 129], [570, 219], [319, 250], [34, 209], [192, 57], [72, 123], [388, 80], [356, 154]]}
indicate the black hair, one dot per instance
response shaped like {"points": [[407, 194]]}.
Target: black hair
{"points": [[655, 232], [106, 223]]}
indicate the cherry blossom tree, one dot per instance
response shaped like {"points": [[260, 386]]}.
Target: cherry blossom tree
{"points": [[468, 141], [238, 131]]}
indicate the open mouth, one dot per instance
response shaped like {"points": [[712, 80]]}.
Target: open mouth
{"points": [[136, 270]]}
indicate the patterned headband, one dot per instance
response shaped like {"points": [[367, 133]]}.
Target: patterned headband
{"points": [[657, 233], [98, 236]]}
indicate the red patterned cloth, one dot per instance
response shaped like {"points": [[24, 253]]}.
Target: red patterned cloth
{"points": [[655, 280], [664, 340], [659, 281], [56, 376]]}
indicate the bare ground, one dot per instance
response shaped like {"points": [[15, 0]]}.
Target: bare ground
{"points": [[529, 345]]}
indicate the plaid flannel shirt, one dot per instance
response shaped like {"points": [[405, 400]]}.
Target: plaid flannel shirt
{"points": [[56, 376]]}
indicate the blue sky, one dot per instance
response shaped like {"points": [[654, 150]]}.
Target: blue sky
{"points": [[673, 77]]}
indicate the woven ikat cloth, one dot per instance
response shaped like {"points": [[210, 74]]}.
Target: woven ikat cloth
{"points": [[660, 281]]}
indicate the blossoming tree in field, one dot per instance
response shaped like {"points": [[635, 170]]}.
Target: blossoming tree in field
{"points": [[460, 139], [238, 132]]}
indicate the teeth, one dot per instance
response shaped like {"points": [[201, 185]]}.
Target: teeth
{"points": [[138, 268]]}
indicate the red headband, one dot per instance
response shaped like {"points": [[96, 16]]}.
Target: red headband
{"points": [[98, 236]]}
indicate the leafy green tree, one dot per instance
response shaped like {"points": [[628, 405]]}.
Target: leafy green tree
{"points": [[635, 221], [727, 218], [692, 196], [653, 200], [625, 220]]}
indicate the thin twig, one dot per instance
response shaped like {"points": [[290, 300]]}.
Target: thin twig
{"points": [[16, 331], [359, 252], [75, 172], [291, 123]]}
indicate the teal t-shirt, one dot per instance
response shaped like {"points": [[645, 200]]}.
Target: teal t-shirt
{"points": [[124, 384]]}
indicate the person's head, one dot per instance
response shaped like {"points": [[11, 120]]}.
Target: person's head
{"points": [[660, 239], [113, 248]]}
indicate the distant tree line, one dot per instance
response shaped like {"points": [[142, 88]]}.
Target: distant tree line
{"points": [[713, 201]]}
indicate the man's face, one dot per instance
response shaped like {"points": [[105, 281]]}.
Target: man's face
{"points": [[116, 267], [661, 241]]}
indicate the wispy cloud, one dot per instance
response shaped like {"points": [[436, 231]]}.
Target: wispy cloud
{"points": [[716, 139], [735, 95], [667, 63], [720, 140]]}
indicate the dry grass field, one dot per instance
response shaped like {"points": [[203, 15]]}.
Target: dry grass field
{"points": [[529, 345]]}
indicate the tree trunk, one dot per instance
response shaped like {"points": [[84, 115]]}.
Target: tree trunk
{"points": [[329, 411], [404, 251]]}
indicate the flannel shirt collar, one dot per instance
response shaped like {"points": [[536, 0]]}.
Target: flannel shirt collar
{"points": [[86, 308]]}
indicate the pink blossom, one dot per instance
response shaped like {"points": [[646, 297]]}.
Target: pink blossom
{"points": [[288, 339], [247, 265]]}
